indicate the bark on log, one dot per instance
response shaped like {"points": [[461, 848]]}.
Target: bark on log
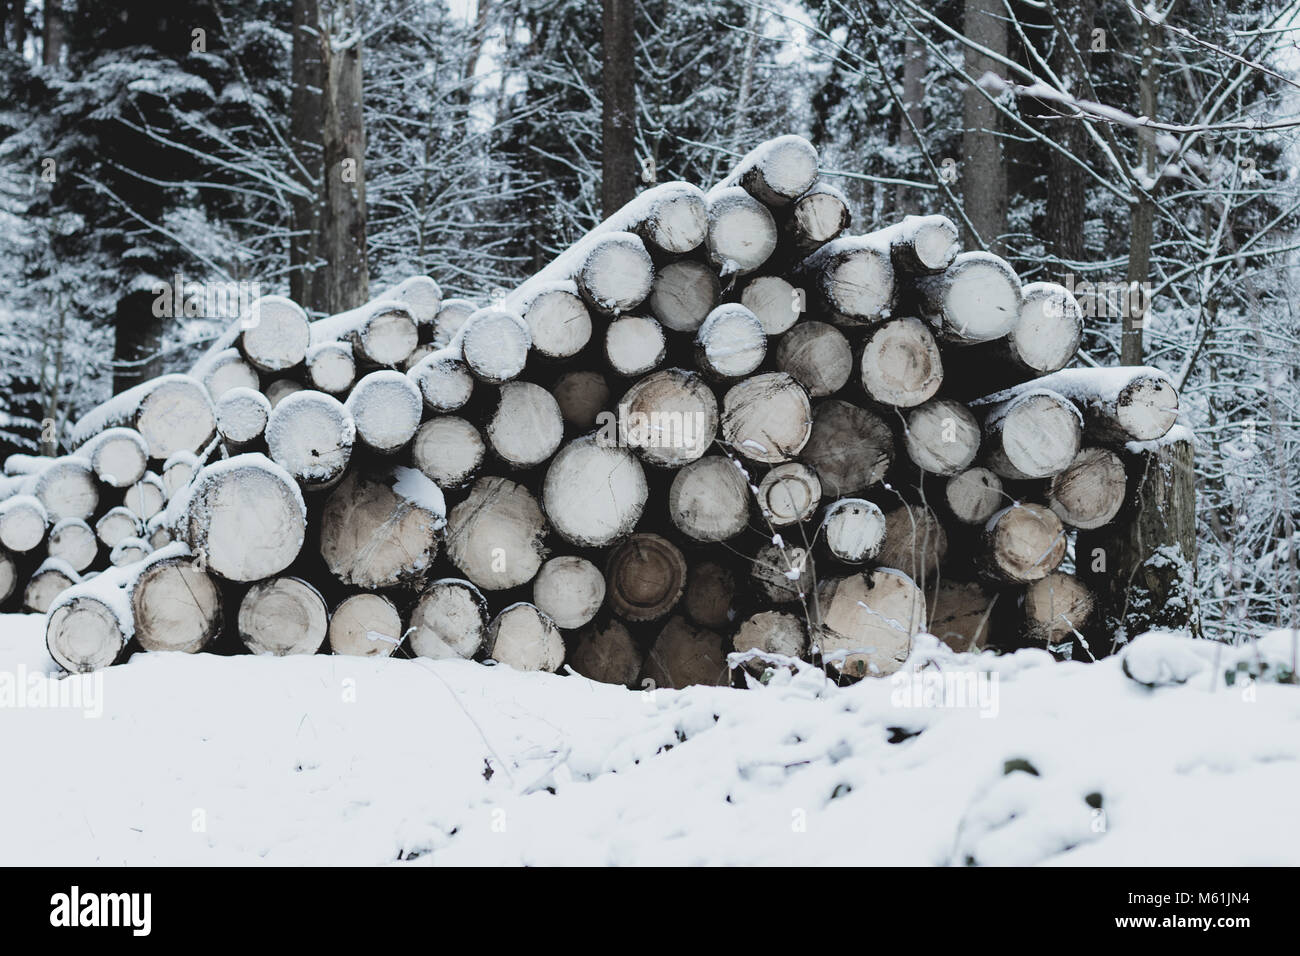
{"points": [[710, 594], [684, 292], [1034, 434], [175, 605], [645, 577], [789, 493], [870, 619], [974, 495], [365, 625], [593, 494], [921, 245], [730, 343], [73, 542], [854, 530], [495, 535], [526, 639], [850, 280], [331, 367], [449, 451], [669, 417], [851, 448], [1090, 492], [310, 435], [900, 363], [172, 413], [634, 344], [569, 590], [8, 576], [709, 499], [942, 437], [386, 408], [582, 396], [775, 172], [742, 232], [382, 531], [817, 356], [450, 620], [768, 418], [976, 299], [283, 616], [684, 654], [606, 653], [1022, 543]]}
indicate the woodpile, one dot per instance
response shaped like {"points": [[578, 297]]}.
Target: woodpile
{"points": [[719, 422]]}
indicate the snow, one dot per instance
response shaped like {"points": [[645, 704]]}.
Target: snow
{"points": [[121, 408], [1001, 760], [419, 489], [338, 327], [1180, 432], [788, 165], [386, 407]]}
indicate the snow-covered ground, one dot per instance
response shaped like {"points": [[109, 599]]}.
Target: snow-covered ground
{"points": [[236, 760]]}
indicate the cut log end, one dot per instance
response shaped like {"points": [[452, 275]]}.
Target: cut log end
{"points": [[644, 578], [283, 616], [365, 625]]}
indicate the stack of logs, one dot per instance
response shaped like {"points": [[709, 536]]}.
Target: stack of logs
{"points": [[718, 422]]}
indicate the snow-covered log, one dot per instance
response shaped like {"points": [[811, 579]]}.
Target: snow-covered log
{"points": [[22, 523], [818, 216], [146, 497], [66, 487], [921, 245], [853, 529], [616, 273], [772, 632], [683, 654], [850, 447], [47, 582], [282, 388], [8, 576], [365, 625], [977, 298], [223, 371], [242, 414], [730, 343], [118, 456], [275, 334], [495, 536], [73, 542], [593, 493], [570, 590], [422, 297], [850, 280], [558, 320], [742, 233], [767, 418], [1090, 491], [450, 620], [788, 494], [684, 292], [494, 345], [382, 332], [817, 356], [669, 417], [310, 435], [709, 499], [524, 638], [88, 625], [244, 518], [447, 323], [448, 450], [942, 436], [129, 551], [525, 428], [645, 577], [331, 367], [671, 217], [900, 363], [1022, 543], [775, 172], [634, 345], [1048, 331], [117, 524], [443, 379], [176, 606], [864, 623], [178, 470], [172, 413], [1029, 433], [386, 407], [777, 304], [381, 531], [283, 616]]}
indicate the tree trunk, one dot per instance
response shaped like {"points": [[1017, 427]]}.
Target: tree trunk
{"points": [[138, 344], [1067, 199], [1142, 211], [52, 44], [343, 225], [984, 173], [618, 104]]}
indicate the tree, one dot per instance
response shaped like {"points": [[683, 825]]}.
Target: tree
{"points": [[618, 104], [983, 168], [343, 217]]}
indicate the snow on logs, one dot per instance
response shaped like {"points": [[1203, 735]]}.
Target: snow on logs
{"points": [[172, 413], [381, 531]]}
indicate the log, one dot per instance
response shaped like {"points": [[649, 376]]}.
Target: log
{"points": [[900, 363], [47, 582], [118, 524], [178, 470], [276, 333], [118, 456], [1034, 434], [331, 367], [158, 532], [365, 625], [225, 370], [451, 316], [172, 413], [449, 451], [684, 654], [8, 576], [645, 577], [669, 417], [960, 614], [73, 542], [175, 605], [1048, 330], [921, 245], [495, 536], [1057, 607], [976, 299], [558, 320], [616, 273], [775, 172], [420, 352], [974, 495], [777, 304], [129, 551], [817, 356], [866, 621], [526, 428], [772, 632], [1119, 405], [245, 518], [818, 216], [450, 620], [788, 494], [381, 531], [941, 436], [684, 292], [1022, 543], [66, 487], [569, 590], [850, 280], [310, 435], [851, 448], [915, 541], [242, 415], [634, 345], [283, 616], [709, 499], [782, 573], [280, 389], [730, 343], [853, 529], [494, 345], [386, 408], [606, 653], [146, 497], [581, 395], [593, 494], [382, 332], [742, 233], [672, 217], [22, 523], [710, 594], [524, 638], [444, 381], [767, 418], [1090, 492], [421, 295], [89, 624]]}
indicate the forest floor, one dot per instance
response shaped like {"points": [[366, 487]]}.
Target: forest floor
{"points": [[179, 759]]}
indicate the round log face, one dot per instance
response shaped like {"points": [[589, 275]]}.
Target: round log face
{"points": [[915, 541], [943, 437], [710, 592], [1047, 333], [570, 590], [119, 457], [524, 638], [8, 576], [388, 336], [854, 530], [444, 382], [386, 408], [767, 418], [594, 493], [1147, 408], [783, 574], [526, 428], [606, 653], [176, 607], [772, 632], [731, 343], [1090, 492], [229, 370], [684, 654], [901, 364], [450, 620], [365, 625], [1057, 606], [176, 415], [850, 448], [117, 524], [450, 318], [242, 415], [495, 535], [146, 497], [1040, 435], [331, 367], [43, 588], [785, 169], [820, 216], [245, 521], [283, 616], [817, 356], [678, 223], [789, 493], [645, 577], [1027, 542], [635, 344], [310, 435], [129, 551], [777, 304], [683, 295], [742, 232], [495, 345], [373, 537], [559, 322], [709, 499], [976, 299], [276, 334], [73, 541], [581, 396], [448, 450], [872, 616], [669, 417], [974, 495], [22, 523], [84, 635], [280, 389], [67, 489], [857, 284], [960, 615], [617, 273]]}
